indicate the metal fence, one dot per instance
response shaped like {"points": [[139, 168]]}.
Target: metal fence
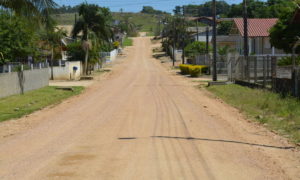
{"points": [[222, 63], [260, 71], [263, 72], [16, 67]]}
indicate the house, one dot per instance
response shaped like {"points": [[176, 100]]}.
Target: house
{"points": [[65, 42], [200, 33], [229, 41], [258, 32]]}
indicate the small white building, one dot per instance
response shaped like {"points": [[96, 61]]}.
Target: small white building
{"points": [[69, 70]]}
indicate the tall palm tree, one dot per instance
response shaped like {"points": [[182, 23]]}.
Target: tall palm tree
{"points": [[93, 19], [52, 38]]}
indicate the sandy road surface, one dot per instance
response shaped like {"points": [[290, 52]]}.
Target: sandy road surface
{"points": [[142, 122]]}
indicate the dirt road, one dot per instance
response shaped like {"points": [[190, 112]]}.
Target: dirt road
{"points": [[143, 122]]}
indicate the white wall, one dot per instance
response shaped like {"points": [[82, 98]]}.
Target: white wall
{"points": [[113, 54], [66, 72]]}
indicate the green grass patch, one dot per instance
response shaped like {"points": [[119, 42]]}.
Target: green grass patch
{"points": [[17, 106], [277, 113], [127, 42]]}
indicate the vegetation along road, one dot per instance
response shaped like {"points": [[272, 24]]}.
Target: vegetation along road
{"points": [[143, 122]]}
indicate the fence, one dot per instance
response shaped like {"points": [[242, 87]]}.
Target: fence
{"points": [[263, 72], [19, 82], [16, 67], [222, 63], [260, 71]]}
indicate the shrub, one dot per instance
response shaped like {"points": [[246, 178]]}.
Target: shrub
{"points": [[116, 44], [184, 69], [193, 70], [195, 48], [286, 61]]}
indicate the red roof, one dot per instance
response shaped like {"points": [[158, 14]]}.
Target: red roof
{"points": [[256, 27]]}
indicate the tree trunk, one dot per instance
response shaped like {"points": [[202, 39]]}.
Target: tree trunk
{"points": [[52, 57], [86, 62]]}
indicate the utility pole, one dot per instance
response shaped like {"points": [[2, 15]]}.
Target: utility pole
{"points": [[214, 38], [197, 30], [174, 37], [183, 36], [246, 44], [207, 40]]}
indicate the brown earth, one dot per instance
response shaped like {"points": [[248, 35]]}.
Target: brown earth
{"points": [[143, 122]]}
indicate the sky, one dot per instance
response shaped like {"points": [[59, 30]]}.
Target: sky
{"points": [[136, 5]]}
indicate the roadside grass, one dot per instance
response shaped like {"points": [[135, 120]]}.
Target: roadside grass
{"points": [[127, 42], [272, 110], [17, 106]]}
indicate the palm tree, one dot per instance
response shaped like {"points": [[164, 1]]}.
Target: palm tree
{"points": [[28, 7], [52, 38], [93, 19]]}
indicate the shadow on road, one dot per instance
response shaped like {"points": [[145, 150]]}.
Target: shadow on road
{"points": [[225, 141], [212, 140]]}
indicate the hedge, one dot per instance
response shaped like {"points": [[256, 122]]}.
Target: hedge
{"points": [[193, 70]]}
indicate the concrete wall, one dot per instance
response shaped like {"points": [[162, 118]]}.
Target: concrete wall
{"points": [[12, 83], [109, 56], [178, 53], [113, 54], [66, 72]]}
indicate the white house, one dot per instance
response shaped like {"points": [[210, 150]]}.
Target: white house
{"points": [[258, 32]]}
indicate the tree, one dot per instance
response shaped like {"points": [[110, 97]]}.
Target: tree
{"points": [[224, 27], [18, 40], [52, 38], [195, 48], [261, 9], [284, 34], [175, 33], [28, 7], [93, 19]]}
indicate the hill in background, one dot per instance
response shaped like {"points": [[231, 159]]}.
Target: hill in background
{"points": [[144, 22]]}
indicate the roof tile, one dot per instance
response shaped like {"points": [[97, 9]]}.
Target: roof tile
{"points": [[256, 27]]}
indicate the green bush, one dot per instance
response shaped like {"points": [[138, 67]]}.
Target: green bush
{"points": [[286, 61], [195, 48], [193, 70]]}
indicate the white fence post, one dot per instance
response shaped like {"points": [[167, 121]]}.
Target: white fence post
{"points": [[31, 66], [9, 68]]}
